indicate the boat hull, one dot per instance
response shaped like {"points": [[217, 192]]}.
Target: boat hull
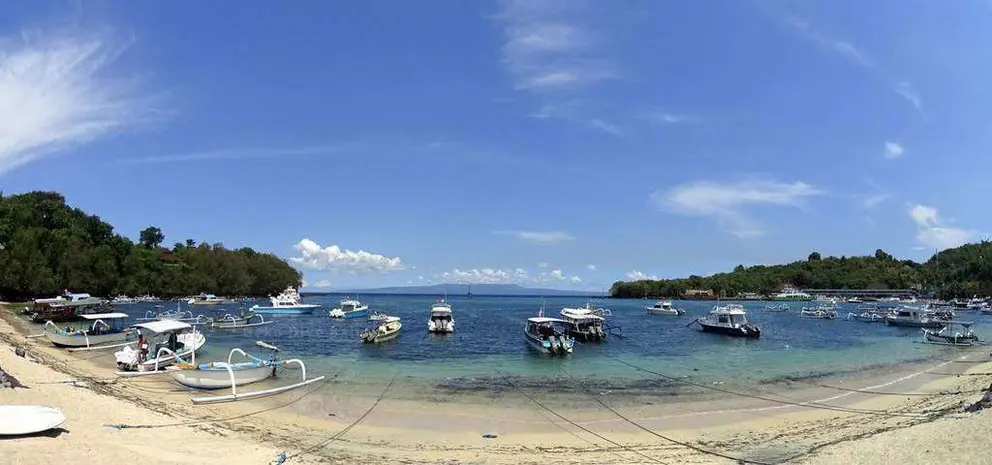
{"points": [[352, 314], [537, 344], [79, 340], [950, 340], [729, 331], [16, 420], [663, 311], [915, 323], [220, 378], [298, 310], [191, 343]]}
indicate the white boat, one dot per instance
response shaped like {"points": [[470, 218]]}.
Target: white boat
{"points": [[441, 320], [548, 335], [730, 320], [383, 329], [854, 300], [123, 300], [288, 302], [223, 375], [584, 324], [66, 307], [185, 316], [161, 343], [954, 333], [867, 313], [792, 294], [819, 312], [350, 308], [782, 307], [229, 321], [99, 333], [914, 318], [206, 299], [664, 308], [18, 420], [976, 304]]}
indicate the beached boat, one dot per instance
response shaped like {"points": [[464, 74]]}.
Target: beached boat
{"points": [[229, 321], [914, 318], [782, 307], [383, 329], [548, 335], [99, 333], [18, 420], [230, 374], [819, 312], [955, 333], [792, 294], [206, 299], [730, 320], [350, 308], [584, 324], [441, 320], [66, 307], [288, 302], [161, 343], [664, 308]]}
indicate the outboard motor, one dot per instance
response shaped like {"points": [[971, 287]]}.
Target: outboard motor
{"points": [[554, 344]]}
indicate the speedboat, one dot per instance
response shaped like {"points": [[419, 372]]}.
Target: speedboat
{"points": [[383, 329], [350, 308], [664, 308], [100, 332], [548, 335], [288, 302], [441, 320], [167, 341], [730, 320], [584, 324], [820, 312], [955, 333], [913, 318], [206, 299]]}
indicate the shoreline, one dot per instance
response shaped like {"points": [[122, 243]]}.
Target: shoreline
{"points": [[446, 428]]}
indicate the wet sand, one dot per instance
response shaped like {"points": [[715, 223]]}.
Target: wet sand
{"points": [[344, 420]]}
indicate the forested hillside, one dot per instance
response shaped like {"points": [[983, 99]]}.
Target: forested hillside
{"points": [[47, 246]]}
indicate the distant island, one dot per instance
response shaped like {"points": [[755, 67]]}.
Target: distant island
{"points": [[465, 289], [963, 271]]}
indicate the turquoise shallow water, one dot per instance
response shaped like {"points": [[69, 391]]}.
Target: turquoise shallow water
{"points": [[488, 343]]}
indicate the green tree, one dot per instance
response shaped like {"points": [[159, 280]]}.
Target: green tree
{"points": [[814, 257], [151, 237]]}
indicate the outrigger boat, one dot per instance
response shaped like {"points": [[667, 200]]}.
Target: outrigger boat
{"points": [[820, 312], [229, 321], [664, 308], [730, 320], [99, 333], [288, 302], [441, 320], [206, 299], [955, 333], [350, 308], [175, 315], [223, 375], [782, 307], [549, 335], [584, 324], [168, 341], [383, 329], [867, 314]]}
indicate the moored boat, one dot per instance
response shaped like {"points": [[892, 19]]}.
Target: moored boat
{"points": [[821, 312], [548, 335], [792, 294], [782, 307], [206, 299], [383, 329], [664, 308], [955, 333], [166, 341], [584, 324], [288, 302], [66, 307], [730, 320], [99, 333], [229, 321], [914, 318], [441, 320], [350, 308], [867, 314]]}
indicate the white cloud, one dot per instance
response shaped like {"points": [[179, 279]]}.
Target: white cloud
{"points": [[875, 199], [56, 92], [323, 283], [542, 264], [237, 154], [906, 91], [539, 237], [608, 128], [591, 267], [893, 150], [305, 283], [332, 257], [932, 233], [727, 202], [669, 118], [639, 276], [518, 276]]}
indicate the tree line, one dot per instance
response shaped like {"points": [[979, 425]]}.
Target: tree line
{"points": [[47, 246], [964, 271]]}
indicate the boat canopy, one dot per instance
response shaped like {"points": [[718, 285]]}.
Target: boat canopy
{"points": [[544, 319], [163, 326], [729, 310], [104, 316], [387, 319], [580, 314]]}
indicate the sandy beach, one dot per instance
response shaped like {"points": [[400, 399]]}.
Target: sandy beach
{"points": [[895, 416]]}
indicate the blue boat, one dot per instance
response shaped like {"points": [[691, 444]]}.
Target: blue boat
{"points": [[286, 303]]}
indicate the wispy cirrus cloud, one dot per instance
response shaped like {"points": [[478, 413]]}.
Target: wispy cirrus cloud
{"points": [[539, 237], [932, 231], [59, 90], [334, 258], [728, 202], [661, 117], [239, 153], [893, 150]]}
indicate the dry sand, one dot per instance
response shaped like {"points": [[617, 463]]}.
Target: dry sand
{"points": [[344, 426]]}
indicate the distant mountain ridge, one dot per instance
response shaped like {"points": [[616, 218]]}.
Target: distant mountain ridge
{"points": [[464, 289]]}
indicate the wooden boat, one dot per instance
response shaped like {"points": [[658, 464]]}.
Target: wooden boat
{"points": [[441, 320], [229, 321], [383, 329], [584, 324], [955, 333], [99, 333], [66, 307], [664, 308], [549, 335], [167, 341], [18, 420], [730, 320]]}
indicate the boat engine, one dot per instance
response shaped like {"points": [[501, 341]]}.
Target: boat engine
{"points": [[555, 345]]}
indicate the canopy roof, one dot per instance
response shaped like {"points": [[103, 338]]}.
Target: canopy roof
{"points": [[163, 326]]}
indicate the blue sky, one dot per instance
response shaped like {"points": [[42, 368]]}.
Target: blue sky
{"points": [[562, 144]]}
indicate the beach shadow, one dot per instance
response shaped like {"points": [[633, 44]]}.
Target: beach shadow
{"points": [[52, 433]]}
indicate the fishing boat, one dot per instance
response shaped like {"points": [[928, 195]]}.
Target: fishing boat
{"points": [[123, 300], [66, 307], [288, 302], [161, 344], [820, 312], [206, 299], [99, 333], [441, 320], [913, 318], [867, 314], [730, 320], [976, 304], [185, 316], [664, 308], [782, 307], [955, 333], [584, 324], [229, 321], [349, 308], [230, 374], [792, 294], [383, 329], [548, 335]]}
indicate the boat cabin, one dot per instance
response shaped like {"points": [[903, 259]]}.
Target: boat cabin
{"points": [[99, 323], [546, 327], [164, 334]]}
